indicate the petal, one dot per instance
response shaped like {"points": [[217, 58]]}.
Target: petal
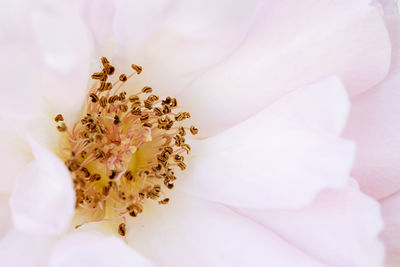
{"points": [[340, 228], [181, 39], [193, 232], [321, 38], [43, 200], [281, 157], [91, 248], [391, 233], [14, 155], [5, 217], [61, 49], [21, 249], [374, 125]]}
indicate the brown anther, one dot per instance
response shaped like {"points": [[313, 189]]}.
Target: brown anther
{"points": [[62, 127], [137, 68], [104, 61], [186, 147], [182, 165], [169, 150], [128, 175], [113, 98], [85, 172], [148, 104], [144, 117], [158, 111], [194, 130], [95, 177], [135, 209], [167, 100], [106, 190], [112, 175], [136, 111], [147, 90], [122, 96], [147, 124], [153, 98], [170, 186], [179, 116], [58, 118], [99, 75], [166, 109], [102, 87], [116, 120], [108, 86], [181, 131], [72, 165], [123, 107], [94, 97], [134, 98], [174, 102], [103, 102], [122, 229], [164, 201], [178, 158], [110, 70], [123, 78]]}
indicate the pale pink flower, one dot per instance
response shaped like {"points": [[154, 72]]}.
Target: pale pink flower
{"points": [[268, 83]]}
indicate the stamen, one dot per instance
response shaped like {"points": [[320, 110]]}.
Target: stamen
{"points": [[120, 152]]}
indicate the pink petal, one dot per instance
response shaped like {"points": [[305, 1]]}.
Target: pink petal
{"points": [[43, 200], [5, 216], [193, 232], [281, 157], [47, 62], [14, 155], [292, 43], [61, 49], [19, 249], [391, 232], [375, 126], [91, 248], [180, 39], [340, 228]]}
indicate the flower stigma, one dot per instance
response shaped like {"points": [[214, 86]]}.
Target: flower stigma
{"points": [[124, 150]]}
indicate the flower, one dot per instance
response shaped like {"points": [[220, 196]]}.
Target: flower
{"points": [[269, 85]]}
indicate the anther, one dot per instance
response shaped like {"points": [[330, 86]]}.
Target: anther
{"points": [[194, 130], [94, 97], [147, 90], [123, 78], [62, 127], [137, 68], [58, 118], [122, 229]]}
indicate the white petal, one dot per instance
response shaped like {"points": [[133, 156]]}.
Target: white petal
{"points": [[281, 157], [193, 232], [340, 228], [91, 248], [19, 249], [43, 200], [293, 43]]}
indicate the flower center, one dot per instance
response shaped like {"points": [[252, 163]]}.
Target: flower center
{"points": [[124, 150]]}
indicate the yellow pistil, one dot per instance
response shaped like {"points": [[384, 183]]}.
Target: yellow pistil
{"points": [[120, 152]]}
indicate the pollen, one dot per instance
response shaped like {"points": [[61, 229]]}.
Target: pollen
{"points": [[125, 148]]}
